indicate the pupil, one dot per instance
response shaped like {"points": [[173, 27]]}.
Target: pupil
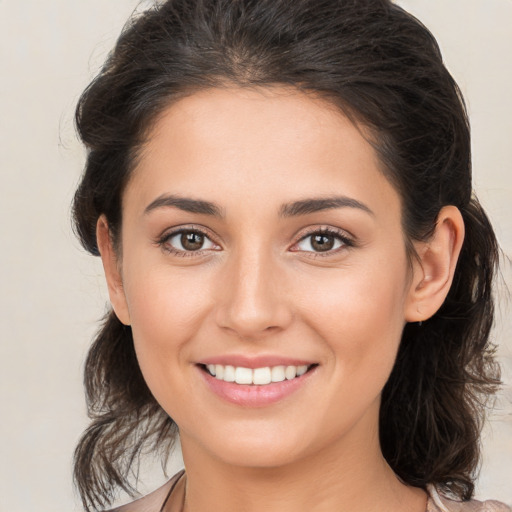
{"points": [[192, 241], [322, 242]]}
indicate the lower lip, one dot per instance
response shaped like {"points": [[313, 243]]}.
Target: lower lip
{"points": [[255, 395]]}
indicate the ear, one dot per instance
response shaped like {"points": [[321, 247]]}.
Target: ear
{"points": [[434, 268], [111, 266]]}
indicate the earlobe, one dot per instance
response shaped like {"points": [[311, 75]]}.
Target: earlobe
{"points": [[111, 268], [435, 266]]}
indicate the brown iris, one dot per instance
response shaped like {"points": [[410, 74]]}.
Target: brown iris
{"points": [[192, 241], [322, 242]]}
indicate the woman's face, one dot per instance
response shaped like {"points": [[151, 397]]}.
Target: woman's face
{"points": [[258, 233]]}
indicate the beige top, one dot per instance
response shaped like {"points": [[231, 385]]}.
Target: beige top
{"points": [[156, 501], [438, 503]]}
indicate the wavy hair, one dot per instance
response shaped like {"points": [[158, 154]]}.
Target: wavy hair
{"points": [[383, 68]]}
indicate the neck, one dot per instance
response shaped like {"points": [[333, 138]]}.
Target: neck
{"points": [[351, 475]]}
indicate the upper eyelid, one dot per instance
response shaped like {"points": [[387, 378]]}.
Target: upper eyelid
{"points": [[342, 233], [164, 244], [170, 232], [345, 237]]}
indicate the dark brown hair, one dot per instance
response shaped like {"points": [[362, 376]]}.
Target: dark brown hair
{"points": [[383, 68]]}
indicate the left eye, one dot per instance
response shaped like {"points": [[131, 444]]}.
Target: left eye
{"points": [[189, 241], [321, 242]]}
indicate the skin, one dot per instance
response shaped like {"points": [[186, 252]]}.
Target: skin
{"points": [[258, 287]]}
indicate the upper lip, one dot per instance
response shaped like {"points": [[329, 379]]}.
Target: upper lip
{"points": [[254, 361]]}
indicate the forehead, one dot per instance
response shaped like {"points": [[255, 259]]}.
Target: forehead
{"points": [[273, 117], [274, 144]]}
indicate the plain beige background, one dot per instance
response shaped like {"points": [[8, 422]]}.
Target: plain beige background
{"points": [[52, 293]]}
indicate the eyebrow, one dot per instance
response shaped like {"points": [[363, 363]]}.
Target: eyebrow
{"points": [[186, 204], [294, 209], [307, 206]]}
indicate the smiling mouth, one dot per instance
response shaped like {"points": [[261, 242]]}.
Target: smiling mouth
{"points": [[256, 376]]}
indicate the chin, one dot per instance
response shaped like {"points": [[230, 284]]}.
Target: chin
{"points": [[259, 455], [255, 447]]}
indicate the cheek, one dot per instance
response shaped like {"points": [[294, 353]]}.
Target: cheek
{"points": [[166, 311], [349, 300], [359, 315]]}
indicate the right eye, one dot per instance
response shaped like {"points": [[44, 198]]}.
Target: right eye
{"points": [[187, 241]]}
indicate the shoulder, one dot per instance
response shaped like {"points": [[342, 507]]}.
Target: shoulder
{"points": [[152, 502], [438, 503]]}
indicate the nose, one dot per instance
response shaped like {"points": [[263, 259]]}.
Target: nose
{"points": [[253, 301]]}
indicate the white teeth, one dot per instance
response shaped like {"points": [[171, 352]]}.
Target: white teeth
{"points": [[278, 374], [258, 376], [262, 376], [243, 375], [301, 370], [229, 373], [290, 372]]}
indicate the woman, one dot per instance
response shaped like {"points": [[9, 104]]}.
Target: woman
{"points": [[300, 276]]}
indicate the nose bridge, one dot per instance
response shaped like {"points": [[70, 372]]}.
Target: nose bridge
{"points": [[253, 300]]}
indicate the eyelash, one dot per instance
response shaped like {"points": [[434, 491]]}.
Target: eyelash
{"points": [[346, 242], [163, 242]]}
